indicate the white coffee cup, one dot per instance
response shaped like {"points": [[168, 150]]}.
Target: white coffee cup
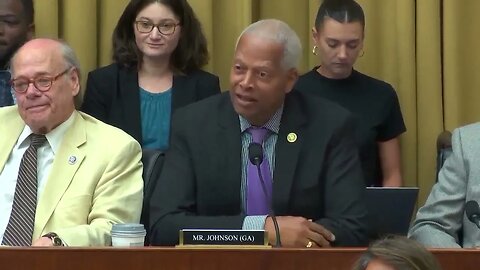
{"points": [[128, 235]]}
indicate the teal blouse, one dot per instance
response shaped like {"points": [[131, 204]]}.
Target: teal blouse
{"points": [[155, 111]]}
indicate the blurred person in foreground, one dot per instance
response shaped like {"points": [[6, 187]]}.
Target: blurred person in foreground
{"points": [[397, 253]]}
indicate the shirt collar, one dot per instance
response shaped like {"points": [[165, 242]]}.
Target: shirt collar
{"points": [[54, 137], [273, 124]]}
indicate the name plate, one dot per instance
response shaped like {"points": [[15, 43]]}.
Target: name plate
{"points": [[192, 237]]}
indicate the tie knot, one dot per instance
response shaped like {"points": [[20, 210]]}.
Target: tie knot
{"points": [[259, 134], [37, 140]]}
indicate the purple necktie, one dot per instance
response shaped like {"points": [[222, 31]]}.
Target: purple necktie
{"points": [[257, 202]]}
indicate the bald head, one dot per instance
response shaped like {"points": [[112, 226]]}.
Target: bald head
{"points": [[53, 48], [46, 43], [278, 32], [42, 49], [45, 83]]}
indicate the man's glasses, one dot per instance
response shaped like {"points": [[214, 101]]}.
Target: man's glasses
{"points": [[42, 83], [166, 28]]}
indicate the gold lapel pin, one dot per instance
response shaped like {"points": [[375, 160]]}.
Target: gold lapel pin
{"points": [[291, 137], [72, 160]]}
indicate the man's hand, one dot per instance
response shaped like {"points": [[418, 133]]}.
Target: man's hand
{"points": [[43, 242], [298, 232]]}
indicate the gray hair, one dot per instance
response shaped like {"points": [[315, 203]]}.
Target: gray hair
{"points": [[71, 60], [278, 32], [70, 57]]}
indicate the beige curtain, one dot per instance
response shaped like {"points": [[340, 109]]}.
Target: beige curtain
{"points": [[425, 51], [461, 62]]}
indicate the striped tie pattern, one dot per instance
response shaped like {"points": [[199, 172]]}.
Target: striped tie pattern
{"points": [[20, 226]]}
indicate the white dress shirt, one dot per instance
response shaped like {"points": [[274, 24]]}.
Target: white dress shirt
{"points": [[45, 157]]}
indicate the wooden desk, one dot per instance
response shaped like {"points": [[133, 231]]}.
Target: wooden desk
{"points": [[212, 259]]}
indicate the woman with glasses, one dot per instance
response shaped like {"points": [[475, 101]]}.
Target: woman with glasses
{"points": [[158, 52], [338, 37]]}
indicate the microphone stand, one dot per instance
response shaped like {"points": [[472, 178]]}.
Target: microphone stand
{"points": [[278, 242]]}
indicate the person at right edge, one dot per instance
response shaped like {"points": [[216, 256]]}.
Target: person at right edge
{"points": [[338, 36], [446, 220], [312, 176]]}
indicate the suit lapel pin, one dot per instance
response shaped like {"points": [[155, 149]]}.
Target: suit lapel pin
{"points": [[72, 160], [291, 137]]}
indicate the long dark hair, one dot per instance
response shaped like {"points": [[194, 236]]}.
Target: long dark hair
{"points": [[342, 11], [191, 52]]}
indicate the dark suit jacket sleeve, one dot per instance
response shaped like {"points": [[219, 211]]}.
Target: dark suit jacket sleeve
{"points": [[345, 208], [173, 202], [97, 100]]}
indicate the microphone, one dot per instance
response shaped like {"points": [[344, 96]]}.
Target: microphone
{"points": [[255, 155], [473, 212]]}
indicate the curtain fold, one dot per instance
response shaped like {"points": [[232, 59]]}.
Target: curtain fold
{"points": [[428, 56], [229, 19], [461, 62], [296, 15], [79, 27], [204, 11], [47, 17], [429, 100], [108, 12]]}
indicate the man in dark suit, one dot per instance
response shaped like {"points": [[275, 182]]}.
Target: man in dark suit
{"points": [[316, 188]]}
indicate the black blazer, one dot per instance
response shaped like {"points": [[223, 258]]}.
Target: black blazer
{"points": [[317, 177], [112, 95]]}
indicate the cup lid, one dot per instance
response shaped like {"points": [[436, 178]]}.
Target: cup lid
{"points": [[128, 228]]}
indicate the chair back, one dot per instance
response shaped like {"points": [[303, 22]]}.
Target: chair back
{"points": [[444, 149], [152, 166]]}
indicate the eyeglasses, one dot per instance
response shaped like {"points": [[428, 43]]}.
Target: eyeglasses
{"points": [[166, 28], [42, 83]]}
